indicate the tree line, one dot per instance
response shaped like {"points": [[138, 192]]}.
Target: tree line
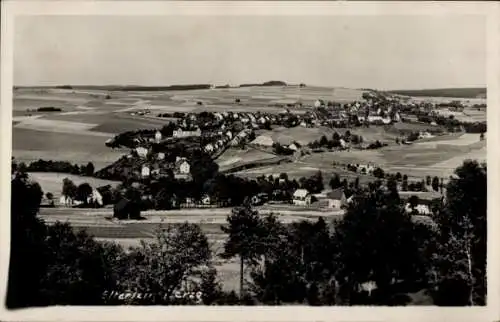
{"points": [[54, 166]]}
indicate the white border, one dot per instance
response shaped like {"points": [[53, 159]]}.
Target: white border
{"points": [[490, 9]]}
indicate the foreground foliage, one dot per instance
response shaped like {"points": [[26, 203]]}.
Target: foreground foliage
{"points": [[378, 254]]}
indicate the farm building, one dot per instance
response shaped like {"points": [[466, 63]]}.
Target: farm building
{"points": [[422, 207], [66, 201], [301, 197], [180, 133], [336, 198], [125, 209], [263, 140], [141, 152]]}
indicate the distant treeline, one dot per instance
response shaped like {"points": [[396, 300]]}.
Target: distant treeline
{"points": [[54, 166], [137, 88], [445, 92], [270, 83], [49, 109]]}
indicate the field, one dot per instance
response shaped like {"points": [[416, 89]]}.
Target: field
{"points": [[52, 182], [88, 118]]}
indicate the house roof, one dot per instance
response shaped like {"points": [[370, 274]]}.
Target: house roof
{"points": [[300, 193], [335, 194]]}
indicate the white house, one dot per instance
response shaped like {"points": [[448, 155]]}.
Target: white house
{"points": [[179, 133], [141, 152], [145, 171], [209, 148], [293, 147], [161, 156], [301, 197], [229, 134], [184, 167], [206, 200], [218, 116], [66, 201], [420, 208], [95, 197], [158, 136]]}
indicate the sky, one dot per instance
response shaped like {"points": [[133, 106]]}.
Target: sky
{"points": [[383, 52]]}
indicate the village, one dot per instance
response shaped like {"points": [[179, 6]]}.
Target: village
{"points": [[176, 166]]}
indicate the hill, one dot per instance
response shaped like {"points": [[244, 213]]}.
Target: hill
{"points": [[476, 92]]}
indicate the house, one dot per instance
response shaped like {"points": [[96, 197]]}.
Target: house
{"points": [[218, 116], [158, 136], [145, 171], [293, 147], [263, 140], [301, 197], [336, 198], [182, 166], [180, 133], [161, 156], [95, 198], [125, 209], [422, 207], [205, 200], [229, 134], [66, 201], [209, 148], [141, 152]]}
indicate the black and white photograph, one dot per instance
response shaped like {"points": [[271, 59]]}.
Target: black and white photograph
{"points": [[247, 159]]}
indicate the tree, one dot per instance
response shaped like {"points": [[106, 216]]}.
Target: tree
{"points": [[27, 263], [323, 140], [210, 286], [245, 230], [376, 243], [435, 184], [404, 184], [79, 269], [83, 192], [413, 201], [50, 198], [89, 169], [335, 181], [463, 233], [167, 264], [378, 173], [69, 188], [428, 180]]}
